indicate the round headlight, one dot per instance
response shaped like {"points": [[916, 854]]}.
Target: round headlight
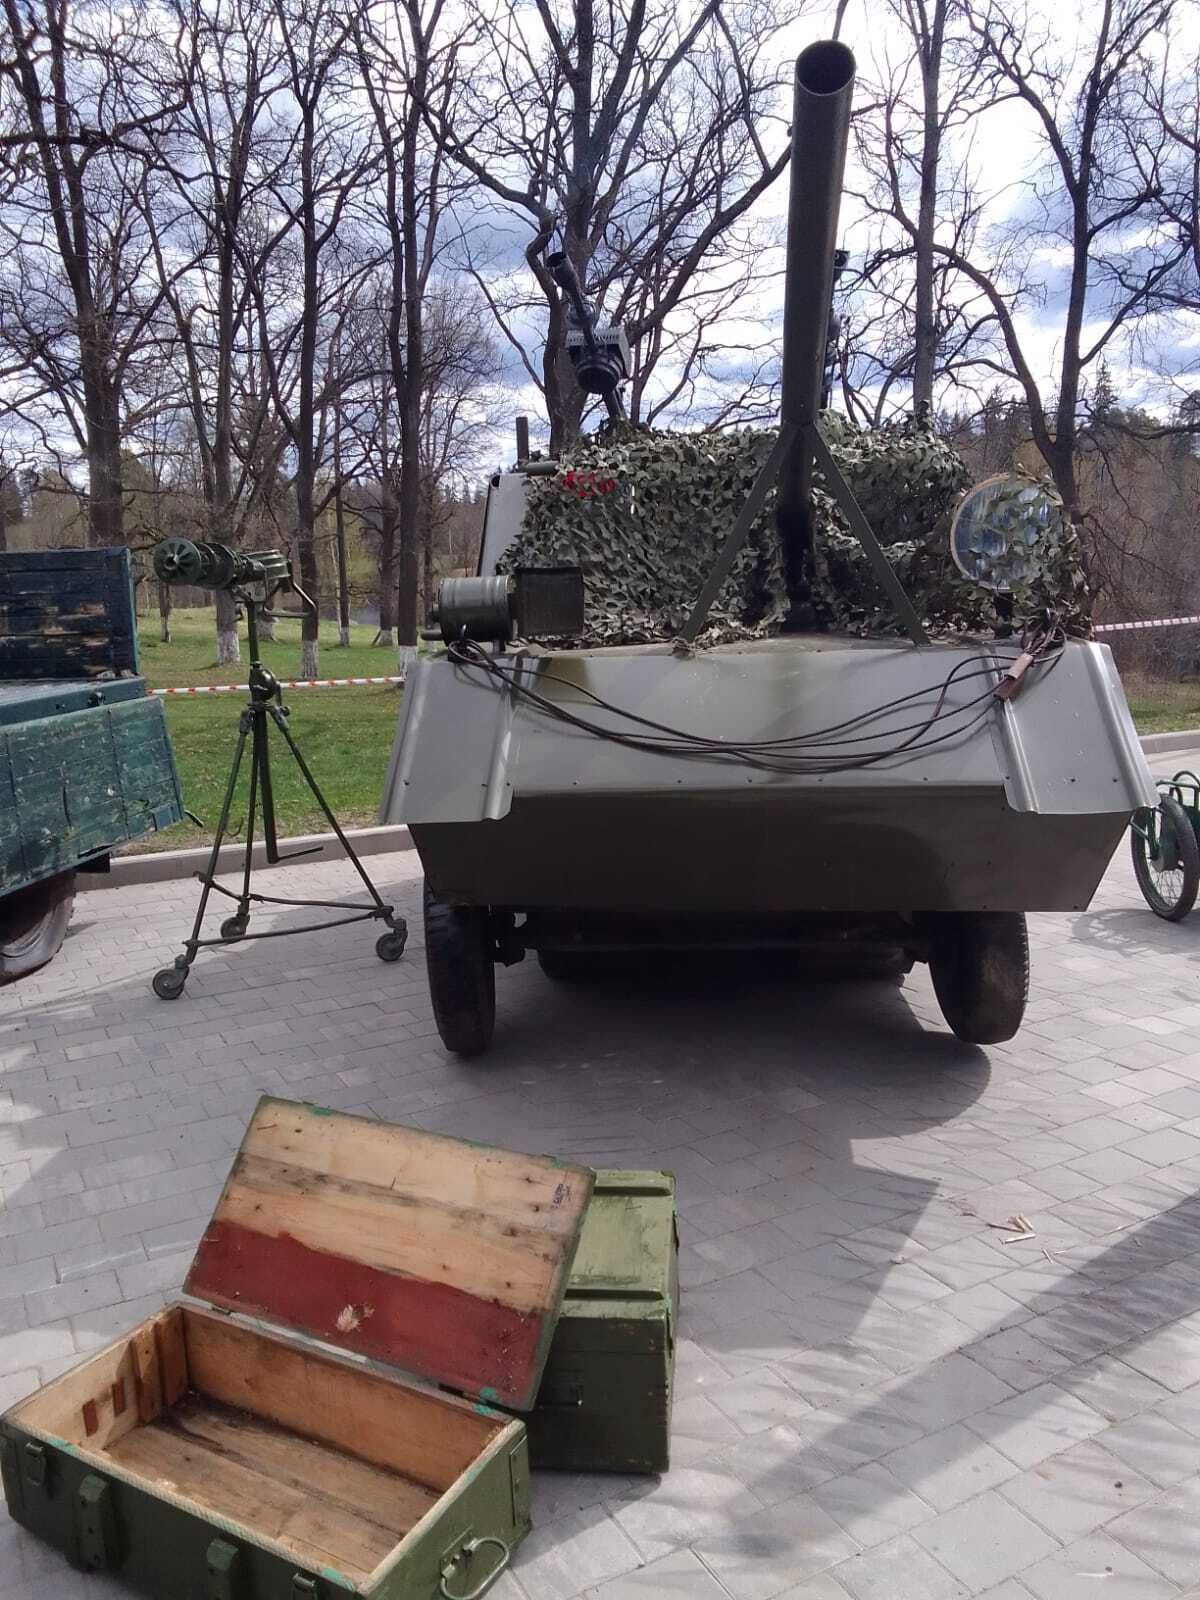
{"points": [[1003, 529]]}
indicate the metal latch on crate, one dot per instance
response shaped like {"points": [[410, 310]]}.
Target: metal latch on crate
{"points": [[35, 1463], [222, 1564], [304, 1587], [97, 1524]]}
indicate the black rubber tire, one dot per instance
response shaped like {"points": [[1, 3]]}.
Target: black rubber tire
{"points": [[168, 983], [390, 945], [460, 960], [1173, 817], [232, 929], [33, 925], [979, 962]]}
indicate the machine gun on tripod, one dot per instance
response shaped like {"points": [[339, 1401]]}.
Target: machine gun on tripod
{"points": [[255, 578]]}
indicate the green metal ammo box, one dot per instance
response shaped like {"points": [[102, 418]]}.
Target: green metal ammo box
{"points": [[605, 1400], [201, 1458]]}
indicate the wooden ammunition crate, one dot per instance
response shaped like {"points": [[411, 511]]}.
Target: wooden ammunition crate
{"points": [[605, 1400], [201, 1458]]}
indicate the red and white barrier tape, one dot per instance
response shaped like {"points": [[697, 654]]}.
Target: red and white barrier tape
{"points": [[1158, 622], [289, 683]]}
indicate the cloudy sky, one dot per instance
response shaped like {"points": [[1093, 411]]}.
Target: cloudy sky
{"points": [[1005, 151]]}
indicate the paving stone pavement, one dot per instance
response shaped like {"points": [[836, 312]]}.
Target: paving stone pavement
{"points": [[882, 1394]]}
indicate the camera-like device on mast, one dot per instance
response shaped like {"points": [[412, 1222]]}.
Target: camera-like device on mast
{"points": [[599, 354]]}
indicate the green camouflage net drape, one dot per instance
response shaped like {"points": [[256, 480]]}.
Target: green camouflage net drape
{"points": [[644, 514]]}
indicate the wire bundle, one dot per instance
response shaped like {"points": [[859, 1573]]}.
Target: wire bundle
{"points": [[823, 750]]}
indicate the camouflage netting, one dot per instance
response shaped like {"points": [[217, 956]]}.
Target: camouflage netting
{"points": [[645, 513]]}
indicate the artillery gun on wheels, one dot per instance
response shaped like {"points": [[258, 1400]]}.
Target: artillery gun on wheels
{"points": [[882, 800]]}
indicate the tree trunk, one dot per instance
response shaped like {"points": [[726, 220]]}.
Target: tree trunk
{"points": [[925, 353], [1062, 469], [105, 501], [228, 648], [387, 569], [409, 519], [266, 629], [564, 398], [304, 431], [164, 613], [343, 580], [427, 556], [310, 651]]}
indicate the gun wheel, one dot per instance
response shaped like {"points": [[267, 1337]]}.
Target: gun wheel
{"points": [[1166, 858]]}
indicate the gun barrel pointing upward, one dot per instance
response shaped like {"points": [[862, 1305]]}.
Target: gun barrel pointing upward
{"points": [[824, 88]]}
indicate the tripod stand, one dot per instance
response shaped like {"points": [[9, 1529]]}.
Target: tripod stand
{"points": [[264, 708]]}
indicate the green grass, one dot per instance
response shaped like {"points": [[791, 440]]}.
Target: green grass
{"points": [[344, 734], [1160, 707], [191, 655]]}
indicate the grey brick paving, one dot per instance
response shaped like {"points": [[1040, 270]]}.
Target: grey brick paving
{"points": [[877, 1395]]}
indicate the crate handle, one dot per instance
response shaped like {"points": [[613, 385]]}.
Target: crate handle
{"points": [[469, 1549]]}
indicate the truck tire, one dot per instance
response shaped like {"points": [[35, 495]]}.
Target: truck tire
{"points": [[33, 925], [460, 961], [979, 962]]}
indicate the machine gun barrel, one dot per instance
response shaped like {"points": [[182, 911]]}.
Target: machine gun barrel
{"points": [[216, 566], [824, 86]]}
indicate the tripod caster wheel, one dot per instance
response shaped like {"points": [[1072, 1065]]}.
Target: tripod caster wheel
{"points": [[390, 946], [232, 928], [168, 984]]}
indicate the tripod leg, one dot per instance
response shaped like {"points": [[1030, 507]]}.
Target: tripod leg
{"points": [[233, 927], [168, 983], [263, 755], [384, 910]]}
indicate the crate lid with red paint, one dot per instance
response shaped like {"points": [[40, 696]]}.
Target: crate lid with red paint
{"points": [[442, 1257]]}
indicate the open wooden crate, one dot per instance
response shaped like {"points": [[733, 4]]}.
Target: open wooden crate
{"points": [[206, 1459]]}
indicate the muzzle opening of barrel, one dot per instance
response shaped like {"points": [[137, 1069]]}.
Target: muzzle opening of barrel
{"points": [[825, 68]]}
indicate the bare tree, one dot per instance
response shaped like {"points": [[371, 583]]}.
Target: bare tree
{"points": [[223, 155], [635, 137], [330, 161], [370, 420], [87, 89], [407, 61], [460, 401], [912, 141], [1084, 196]]}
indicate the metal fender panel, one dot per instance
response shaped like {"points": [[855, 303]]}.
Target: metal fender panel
{"points": [[510, 807]]}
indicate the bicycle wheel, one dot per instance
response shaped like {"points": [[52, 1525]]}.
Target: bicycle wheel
{"points": [[1166, 858]]}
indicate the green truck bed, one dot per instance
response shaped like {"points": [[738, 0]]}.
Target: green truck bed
{"points": [[85, 762]]}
